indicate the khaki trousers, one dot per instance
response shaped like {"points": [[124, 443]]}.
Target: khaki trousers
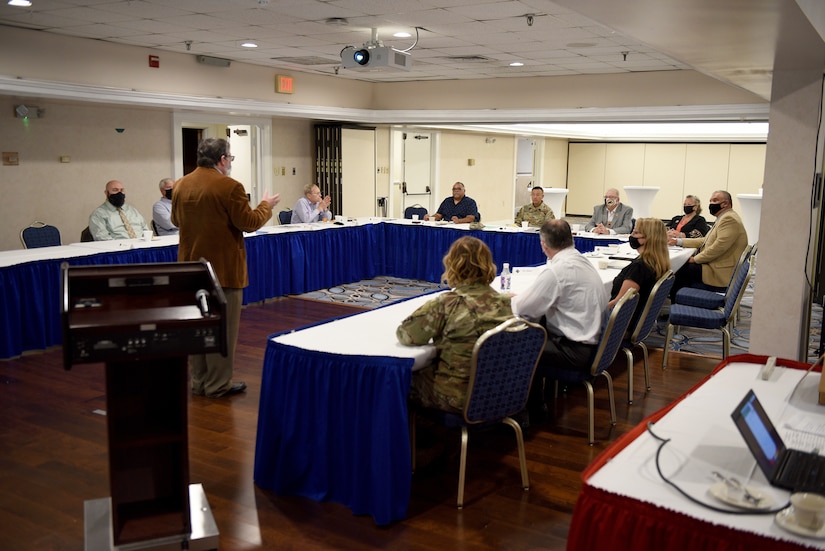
{"points": [[212, 373]]}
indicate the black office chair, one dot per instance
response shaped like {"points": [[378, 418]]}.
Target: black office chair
{"points": [[155, 228], [285, 217], [86, 235], [503, 362], [415, 209], [39, 234]]}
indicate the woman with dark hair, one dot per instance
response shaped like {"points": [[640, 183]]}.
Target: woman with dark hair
{"points": [[689, 224], [454, 321]]}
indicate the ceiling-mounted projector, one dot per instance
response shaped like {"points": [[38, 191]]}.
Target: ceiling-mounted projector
{"points": [[375, 58]]}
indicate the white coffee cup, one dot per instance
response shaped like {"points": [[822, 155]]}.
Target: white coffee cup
{"points": [[415, 217], [339, 218], [575, 228], [147, 235], [809, 510], [603, 264], [525, 224]]}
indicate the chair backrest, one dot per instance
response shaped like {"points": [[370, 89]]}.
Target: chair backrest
{"points": [[155, 228], [746, 254], [614, 331], [285, 217], [39, 234], [658, 295], [737, 289], [415, 209], [86, 235], [503, 362]]}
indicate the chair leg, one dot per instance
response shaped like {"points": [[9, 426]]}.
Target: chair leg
{"points": [[668, 336], [629, 353], [522, 457], [647, 369], [725, 342], [611, 397], [462, 466], [590, 406], [412, 439]]}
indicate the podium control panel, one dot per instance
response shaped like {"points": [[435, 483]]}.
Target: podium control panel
{"points": [[136, 311]]}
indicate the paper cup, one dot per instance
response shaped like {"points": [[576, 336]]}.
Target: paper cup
{"points": [[415, 217], [147, 235], [603, 264], [525, 224]]}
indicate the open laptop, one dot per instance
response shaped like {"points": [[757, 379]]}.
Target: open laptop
{"points": [[793, 470]]}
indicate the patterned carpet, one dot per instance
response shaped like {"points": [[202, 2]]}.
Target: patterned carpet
{"points": [[372, 293], [698, 341]]}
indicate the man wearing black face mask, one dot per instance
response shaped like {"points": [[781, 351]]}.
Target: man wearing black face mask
{"points": [[114, 219], [162, 209], [712, 266]]}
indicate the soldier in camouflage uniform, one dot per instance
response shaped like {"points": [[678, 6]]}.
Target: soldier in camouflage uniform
{"points": [[454, 321], [536, 213]]}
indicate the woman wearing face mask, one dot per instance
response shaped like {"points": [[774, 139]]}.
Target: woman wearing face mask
{"points": [[649, 238], [690, 224]]}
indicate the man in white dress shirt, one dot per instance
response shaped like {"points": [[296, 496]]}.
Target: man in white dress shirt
{"points": [[311, 207], [570, 295]]}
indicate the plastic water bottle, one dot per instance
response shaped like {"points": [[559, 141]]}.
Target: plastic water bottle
{"points": [[505, 277]]}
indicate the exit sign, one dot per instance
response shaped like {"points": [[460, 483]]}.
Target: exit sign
{"points": [[284, 84]]}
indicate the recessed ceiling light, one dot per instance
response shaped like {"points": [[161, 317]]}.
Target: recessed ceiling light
{"points": [[249, 44], [517, 64], [20, 3], [402, 35]]}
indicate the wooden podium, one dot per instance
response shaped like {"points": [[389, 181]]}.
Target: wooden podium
{"points": [[143, 320]]}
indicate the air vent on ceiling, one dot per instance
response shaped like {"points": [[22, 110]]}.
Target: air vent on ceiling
{"points": [[466, 58], [307, 61]]}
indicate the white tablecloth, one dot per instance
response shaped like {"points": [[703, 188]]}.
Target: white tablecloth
{"points": [[369, 333], [704, 439]]}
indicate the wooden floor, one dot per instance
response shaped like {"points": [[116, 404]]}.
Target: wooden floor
{"points": [[53, 457]]}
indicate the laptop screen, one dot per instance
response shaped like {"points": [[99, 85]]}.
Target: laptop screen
{"points": [[759, 433]]}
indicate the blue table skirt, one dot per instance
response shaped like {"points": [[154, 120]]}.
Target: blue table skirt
{"points": [[31, 296], [279, 264], [334, 428]]}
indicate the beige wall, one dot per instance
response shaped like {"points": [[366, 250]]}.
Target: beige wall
{"points": [[64, 194], [489, 181], [292, 147], [677, 169]]}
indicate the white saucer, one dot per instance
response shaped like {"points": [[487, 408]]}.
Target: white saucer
{"points": [[720, 492], [785, 520]]}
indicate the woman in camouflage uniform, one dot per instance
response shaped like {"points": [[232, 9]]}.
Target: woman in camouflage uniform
{"points": [[454, 321]]}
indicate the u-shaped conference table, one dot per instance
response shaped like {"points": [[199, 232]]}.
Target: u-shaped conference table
{"points": [[282, 260]]}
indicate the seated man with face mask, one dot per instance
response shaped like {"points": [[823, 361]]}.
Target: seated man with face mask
{"points": [[610, 217], [114, 219]]}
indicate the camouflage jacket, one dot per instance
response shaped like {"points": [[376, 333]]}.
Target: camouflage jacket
{"points": [[454, 321], [535, 216]]}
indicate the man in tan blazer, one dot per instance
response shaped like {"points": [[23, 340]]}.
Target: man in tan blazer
{"points": [[212, 211], [719, 251]]}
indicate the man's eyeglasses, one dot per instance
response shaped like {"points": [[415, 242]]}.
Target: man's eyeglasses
{"points": [[230, 157]]}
